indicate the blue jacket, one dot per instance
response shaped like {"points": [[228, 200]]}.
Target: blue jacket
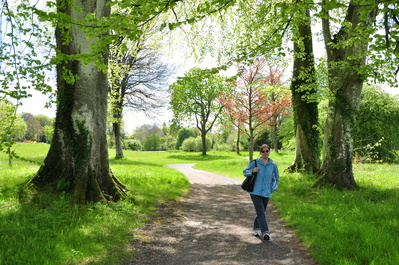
{"points": [[267, 179]]}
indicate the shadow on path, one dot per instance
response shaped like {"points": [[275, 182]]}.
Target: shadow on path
{"points": [[213, 226]]}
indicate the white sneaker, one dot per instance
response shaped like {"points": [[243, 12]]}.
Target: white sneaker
{"points": [[266, 236], [257, 233]]}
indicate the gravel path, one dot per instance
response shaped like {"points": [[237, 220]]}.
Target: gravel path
{"points": [[212, 226]]}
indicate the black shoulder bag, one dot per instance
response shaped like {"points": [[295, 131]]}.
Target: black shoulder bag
{"points": [[248, 183]]}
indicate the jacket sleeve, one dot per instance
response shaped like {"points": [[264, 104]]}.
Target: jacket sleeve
{"points": [[275, 178], [248, 171]]}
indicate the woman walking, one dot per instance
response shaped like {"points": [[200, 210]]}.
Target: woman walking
{"points": [[266, 183]]}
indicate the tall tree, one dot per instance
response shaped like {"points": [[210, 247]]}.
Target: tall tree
{"points": [[346, 57], [230, 120], [182, 135], [153, 142], [196, 94], [138, 79], [280, 101], [77, 161], [35, 129], [304, 91], [280, 106], [250, 108]]}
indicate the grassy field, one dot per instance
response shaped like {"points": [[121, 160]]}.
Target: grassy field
{"points": [[338, 227]]}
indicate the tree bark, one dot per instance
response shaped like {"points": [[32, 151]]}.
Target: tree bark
{"points": [[77, 161], [118, 138], [203, 139], [238, 141], [303, 88], [117, 109], [345, 62], [251, 142]]}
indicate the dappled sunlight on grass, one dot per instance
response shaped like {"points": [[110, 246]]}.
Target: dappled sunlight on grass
{"points": [[45, 228], [351, 225], [339, 226]]}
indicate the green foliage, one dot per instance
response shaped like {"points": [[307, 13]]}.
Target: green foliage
{"points": [[11, 124], [189, 145], [338, 227], [47, 229], [195, 94], [377, 129], [12, 127], [287, 134], [44, 120], [228, 144], [35, 129], [152, 143], [183, 134], [133, 144], [344, 227], [48, 133], [22, 37], [195, 144]]}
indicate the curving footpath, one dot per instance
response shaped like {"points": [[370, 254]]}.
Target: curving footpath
{"points": [[212, 226]]}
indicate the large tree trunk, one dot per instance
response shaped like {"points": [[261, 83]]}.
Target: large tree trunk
{"points": [[77, 161], [345, 64], [303, 88], [338, 141]]}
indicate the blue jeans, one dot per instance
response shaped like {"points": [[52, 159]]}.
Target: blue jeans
{"points": [[260, 204]]}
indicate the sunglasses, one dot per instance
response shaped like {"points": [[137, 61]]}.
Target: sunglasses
{"points": [[265, 151]]}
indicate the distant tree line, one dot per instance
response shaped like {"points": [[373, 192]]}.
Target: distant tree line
{"points": [[376, 138], [26, 126]]}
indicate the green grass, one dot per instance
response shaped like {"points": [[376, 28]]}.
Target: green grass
{"points": [[346, 227], [47, 229], [338, 227]]}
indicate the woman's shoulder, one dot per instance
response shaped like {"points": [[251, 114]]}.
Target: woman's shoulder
{"points": [[253, 162], [271, 161]]}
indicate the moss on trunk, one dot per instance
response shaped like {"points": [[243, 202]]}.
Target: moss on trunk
{"points": [[303, 89], [77, 162]]}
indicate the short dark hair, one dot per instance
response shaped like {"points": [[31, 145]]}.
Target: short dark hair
{"points": [[263, 146]]}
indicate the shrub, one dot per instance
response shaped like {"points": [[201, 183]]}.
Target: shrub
{"points": [[183, 135], [188, 145], [195, 144], [153, 142], [377, 132], [134, 145]]}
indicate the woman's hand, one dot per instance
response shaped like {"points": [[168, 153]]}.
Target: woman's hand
{"points": [[255, 170]]}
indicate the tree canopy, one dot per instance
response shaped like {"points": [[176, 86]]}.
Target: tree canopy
{"points": [[360, 39], [195, 95], [255, 102]]}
